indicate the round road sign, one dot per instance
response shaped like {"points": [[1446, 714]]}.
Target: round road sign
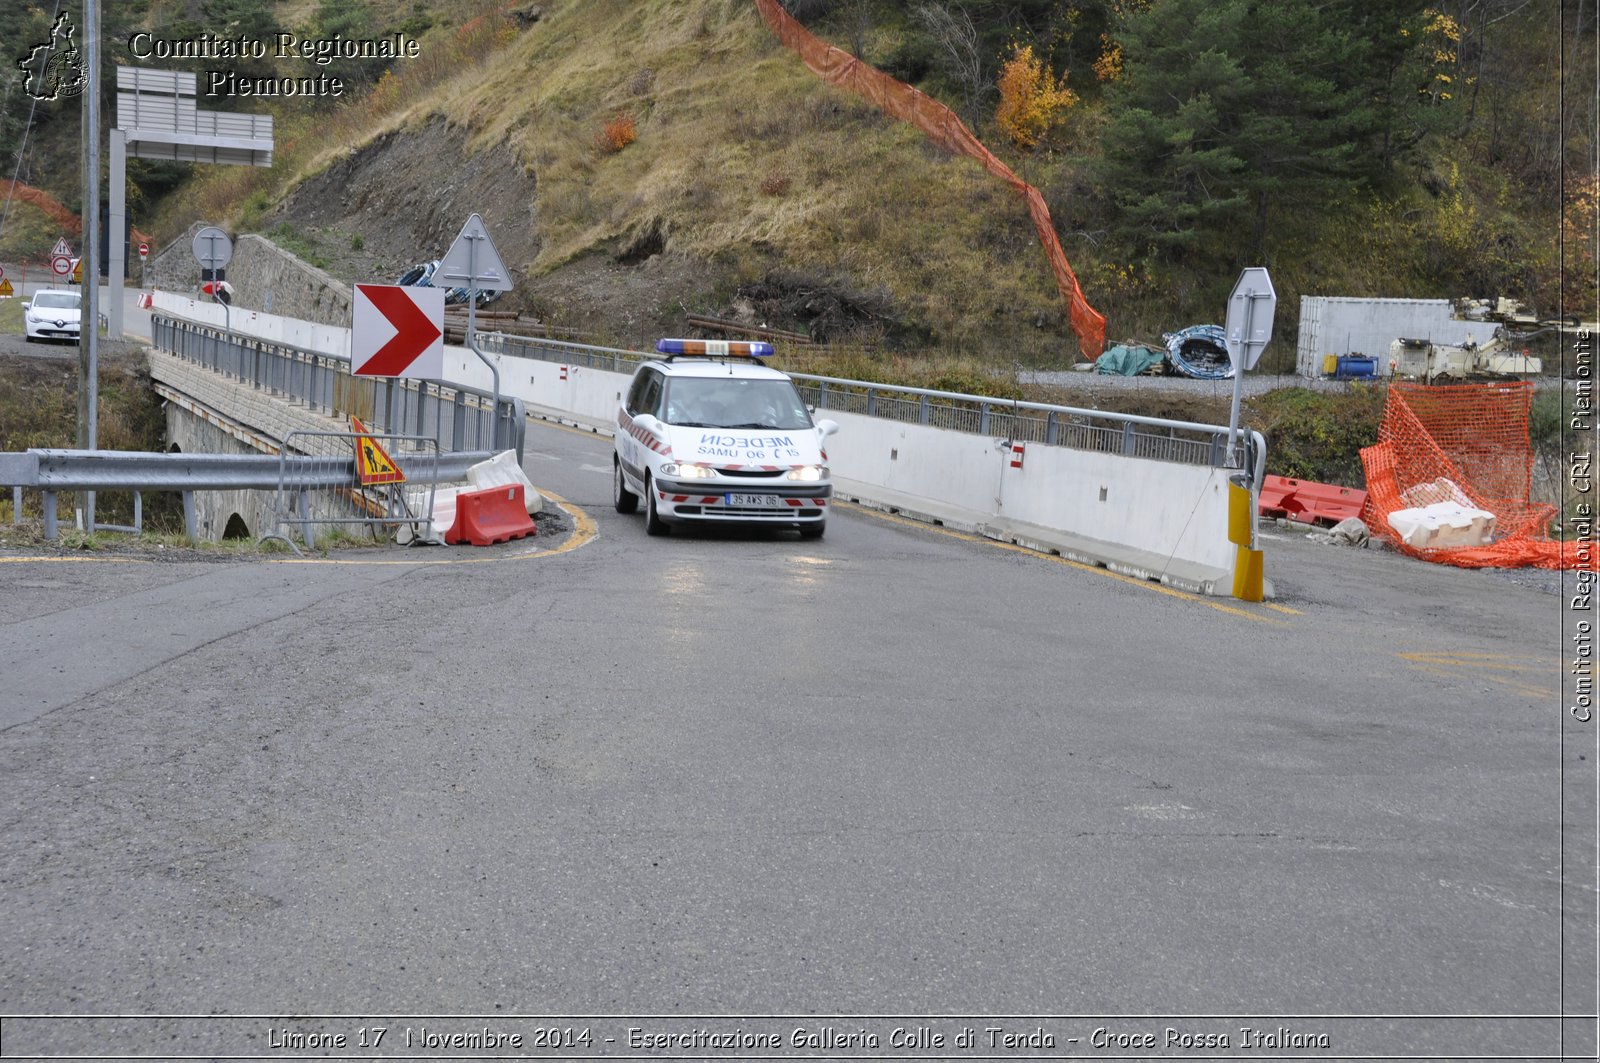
{"points": [[61, 265], [212, 248], [144, 250]]}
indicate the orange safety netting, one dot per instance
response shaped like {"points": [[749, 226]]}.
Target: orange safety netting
{"points": [[843, 70], [1475, 436]]}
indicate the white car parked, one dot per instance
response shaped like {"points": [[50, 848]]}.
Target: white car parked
{"points": [[52, 314], [708, 435]]}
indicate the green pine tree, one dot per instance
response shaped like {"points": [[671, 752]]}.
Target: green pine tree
{"points": [[1231, 114]]}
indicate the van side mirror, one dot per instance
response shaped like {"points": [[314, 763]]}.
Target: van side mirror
{"points": [[827, 427]]}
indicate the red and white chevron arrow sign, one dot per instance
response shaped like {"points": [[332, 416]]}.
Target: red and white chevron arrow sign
{"points": [[397, 331]]}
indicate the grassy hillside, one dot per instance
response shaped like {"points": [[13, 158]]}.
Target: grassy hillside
{"points": [[677, 158]]}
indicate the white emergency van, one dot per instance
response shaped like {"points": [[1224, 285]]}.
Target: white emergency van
{"points": [[709, 434]]}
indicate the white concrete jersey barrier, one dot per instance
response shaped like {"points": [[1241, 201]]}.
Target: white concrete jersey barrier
{"points": [[1152, 519], [1158, 520]]}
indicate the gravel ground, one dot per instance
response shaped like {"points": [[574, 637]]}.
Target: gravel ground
{"points": [[1254, 384]]}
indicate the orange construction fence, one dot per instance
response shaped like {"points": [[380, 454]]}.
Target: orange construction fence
{"points": [[1476, 437], [843, 70]]}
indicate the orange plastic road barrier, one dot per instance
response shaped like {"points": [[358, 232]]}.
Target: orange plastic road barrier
{"points": [[843, 70], [495, 515], [1476, 437], [1309, 502]]}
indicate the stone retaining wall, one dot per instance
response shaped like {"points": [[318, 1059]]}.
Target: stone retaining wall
{"points": [[264, 277]]}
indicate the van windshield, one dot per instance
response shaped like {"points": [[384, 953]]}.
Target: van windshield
{"points": [[730, 402]]}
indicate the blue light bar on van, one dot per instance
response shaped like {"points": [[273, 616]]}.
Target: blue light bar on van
{"points": [[714, 348]]}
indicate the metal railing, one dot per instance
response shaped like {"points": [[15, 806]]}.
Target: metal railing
{"points": [[54, 472], [1104, 431], [456, 416]]}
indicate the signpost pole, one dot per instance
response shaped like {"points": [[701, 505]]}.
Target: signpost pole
{"points": [[1251, 308], [472, 304], [117, 234], [88, 317], [1238, 383]]}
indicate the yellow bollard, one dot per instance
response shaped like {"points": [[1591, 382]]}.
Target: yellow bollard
{"points": [[1241, 521], [1249, 580], [1249, 577]]}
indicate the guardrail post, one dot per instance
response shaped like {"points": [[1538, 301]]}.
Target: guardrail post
{"points": [[191, 523], [422, 404], [50, 530], [16, 505], [872, 402], [458, 422], [922, 411], [822, 396], [983, 417], [1050, 428], [306, 532], [1127, 438], [138, 513]]}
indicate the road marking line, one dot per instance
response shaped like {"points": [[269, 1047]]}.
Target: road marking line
{"points": [[76, 560], [583, 531], [1481, 666], [1133, 580], [1489, 661], [1520, 688]]}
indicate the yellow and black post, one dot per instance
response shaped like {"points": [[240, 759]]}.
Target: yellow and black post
{"points": [[1248, 574]]}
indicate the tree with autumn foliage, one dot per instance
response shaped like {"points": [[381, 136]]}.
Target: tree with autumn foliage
{"points": [[1033, 100]]}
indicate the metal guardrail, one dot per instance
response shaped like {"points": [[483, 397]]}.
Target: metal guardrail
{"points": [[1105, 431], [456, 416], [323, 381], [53, 472]]}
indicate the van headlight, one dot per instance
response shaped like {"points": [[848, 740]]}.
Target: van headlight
{"points": [[810, 474], [687, 470]]}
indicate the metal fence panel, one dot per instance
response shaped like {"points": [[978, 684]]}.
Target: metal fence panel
{"points": [[324, 487]]}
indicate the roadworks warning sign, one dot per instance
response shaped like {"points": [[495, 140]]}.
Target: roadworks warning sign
{"points": [[373, 464]]}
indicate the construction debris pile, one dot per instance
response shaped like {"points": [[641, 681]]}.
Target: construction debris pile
{"points": [[1450, 477]]}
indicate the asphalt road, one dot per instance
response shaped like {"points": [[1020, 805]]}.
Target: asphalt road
{"points": [[899, 770]]}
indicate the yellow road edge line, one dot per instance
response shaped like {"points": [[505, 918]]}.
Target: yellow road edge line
{"points": [[75, 560], [583, 531], [1485, 662], [1453, 655], [1532, 692], [1097, 570]]}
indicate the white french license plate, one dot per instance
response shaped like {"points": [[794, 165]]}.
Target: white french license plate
{"points": [[755, 501]]}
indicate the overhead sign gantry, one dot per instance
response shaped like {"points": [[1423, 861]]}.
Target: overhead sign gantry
{"points": [[158, 118]]}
